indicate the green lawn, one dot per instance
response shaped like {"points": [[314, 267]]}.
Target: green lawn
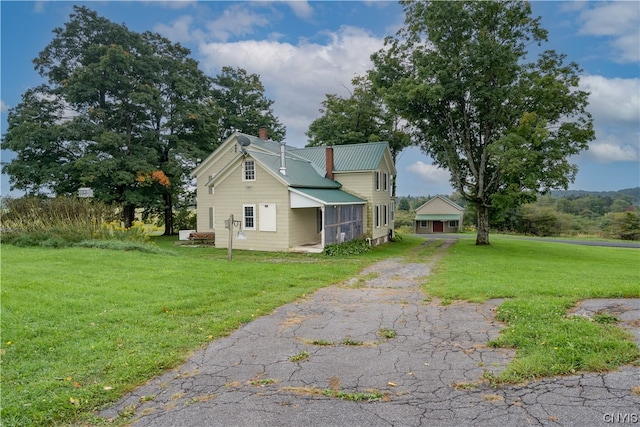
{"points": [[542, 280], [81, 327]]}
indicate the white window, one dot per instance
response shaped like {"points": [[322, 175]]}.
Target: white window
{"points": [[249, 170], [385, 181], [393, 210], [249, 217], [377, 219], [377, 179], [211, 187], [267, 217], [386, 215], [423, 224], [212, 218], [453, 224]]}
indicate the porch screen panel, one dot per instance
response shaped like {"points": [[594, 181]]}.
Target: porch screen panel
{"points": [[343, 223]]}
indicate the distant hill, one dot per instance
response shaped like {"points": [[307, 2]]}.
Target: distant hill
{"points": [[633, 192]]}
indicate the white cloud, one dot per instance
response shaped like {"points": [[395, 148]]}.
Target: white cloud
{"points": [[236, 20], [301, 8], [615, 106], [179, 30], [613, 99], [607, 152], [3, 106], [173, 4], [619, 20], [297, 76], [430, 174], [39, 7]]}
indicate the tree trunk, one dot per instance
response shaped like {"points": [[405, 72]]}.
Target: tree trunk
{"points": [[128, 215], [168, 214], [483, 225]]}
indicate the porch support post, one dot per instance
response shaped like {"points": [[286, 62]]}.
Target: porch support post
{"points": [[324, 226]]}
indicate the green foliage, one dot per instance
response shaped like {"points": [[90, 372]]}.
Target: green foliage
{"points": [[185, 218], [241, 96], [362, 117], [403, 204], [352, 247], [542, 221], [583, 214], [142, 115], [624, 225]]}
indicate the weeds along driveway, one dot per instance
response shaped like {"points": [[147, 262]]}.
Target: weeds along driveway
{"points": [[373, 351]]}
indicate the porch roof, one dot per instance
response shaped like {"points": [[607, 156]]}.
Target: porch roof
{"points": [[316, 197], [437, 217]]}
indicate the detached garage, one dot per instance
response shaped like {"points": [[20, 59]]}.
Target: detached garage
{"points": [[438, 215]]}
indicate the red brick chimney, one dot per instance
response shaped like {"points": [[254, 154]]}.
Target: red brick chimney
{"points": [[264, 134], [329, 156]]}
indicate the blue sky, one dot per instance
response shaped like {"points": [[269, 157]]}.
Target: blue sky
{"points": [[303, 50]]}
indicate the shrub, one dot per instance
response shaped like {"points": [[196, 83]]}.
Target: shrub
{"points": [[624, 225], [352, 247]]}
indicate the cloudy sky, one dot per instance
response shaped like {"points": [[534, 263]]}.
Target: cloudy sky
{"points": [[303, 50]]}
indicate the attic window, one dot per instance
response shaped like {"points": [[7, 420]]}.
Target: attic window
{"points": [[377, 179], [249, 170]]}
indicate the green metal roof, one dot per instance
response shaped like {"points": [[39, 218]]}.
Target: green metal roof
{"points": [[437, 217], [346, 158], [300, 173], [330, 196]]}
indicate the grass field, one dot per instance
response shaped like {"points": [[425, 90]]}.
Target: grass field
{"points": [[542, 280], [80, 327]]}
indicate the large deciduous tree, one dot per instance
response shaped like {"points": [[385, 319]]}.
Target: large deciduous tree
{"points": [[122, 112], [503, 125], [128, 114], [247, 109], [362, 117]]}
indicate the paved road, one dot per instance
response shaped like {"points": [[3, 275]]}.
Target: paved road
{"points": [[377, 336], [608, 243]]}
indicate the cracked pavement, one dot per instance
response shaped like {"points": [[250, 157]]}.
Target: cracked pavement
{"points": [[379, 338]]}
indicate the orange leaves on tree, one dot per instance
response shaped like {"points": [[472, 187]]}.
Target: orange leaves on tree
{"points": [[155, 176]]}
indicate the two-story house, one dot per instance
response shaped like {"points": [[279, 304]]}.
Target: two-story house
{"points": [[289, 198]]}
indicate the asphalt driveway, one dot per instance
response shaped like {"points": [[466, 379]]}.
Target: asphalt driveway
{"points": [[375, 351]]}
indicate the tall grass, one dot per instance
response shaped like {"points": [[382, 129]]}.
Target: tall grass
{"points": [[63, 221]]}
